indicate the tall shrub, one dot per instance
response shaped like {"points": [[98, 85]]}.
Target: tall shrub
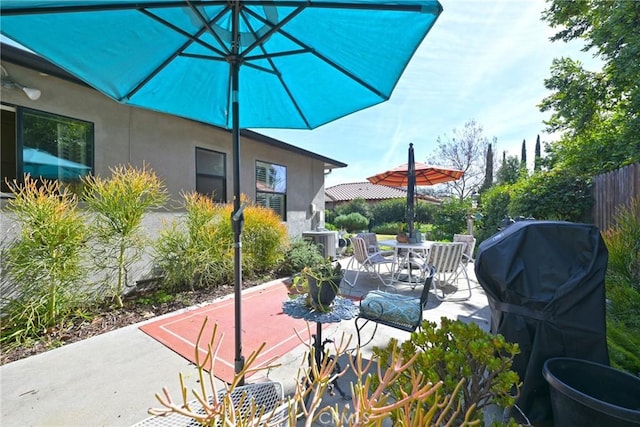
{"points": [[352, 222], [45, 262], [119, 204], [556, 195], [264, 239], [494, 208], [623, 289], [196, 251], [450, 218]]}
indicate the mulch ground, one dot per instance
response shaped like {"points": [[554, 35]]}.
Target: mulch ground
{"points": [[105, 319]]}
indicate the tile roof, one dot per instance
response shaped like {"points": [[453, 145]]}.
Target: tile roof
{"points": [[368, 191]]}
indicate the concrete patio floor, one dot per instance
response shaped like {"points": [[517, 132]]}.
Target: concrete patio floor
{"points": [[111, 379]]}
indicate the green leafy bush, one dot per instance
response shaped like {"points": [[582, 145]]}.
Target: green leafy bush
{"points": [[395, 211], [357, 205], [494, 206], [450, 218], [299, 254], [352, 222], [554, 195], [386, 228], [458, 350], [45, 262]]}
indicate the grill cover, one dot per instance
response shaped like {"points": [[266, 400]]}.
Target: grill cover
{"points": [[545, 284]]}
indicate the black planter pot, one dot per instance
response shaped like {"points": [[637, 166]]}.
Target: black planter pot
{"points": [[322, 295], [585, 393]]}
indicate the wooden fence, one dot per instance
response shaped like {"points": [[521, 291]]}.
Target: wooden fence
{"points": [[613, 189]]}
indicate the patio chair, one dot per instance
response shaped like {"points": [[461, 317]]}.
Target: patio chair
{"points": [[398, 311], [268, 397], [471, 245], [372, 244], [467, 255], [447, 258], [365, 261]]}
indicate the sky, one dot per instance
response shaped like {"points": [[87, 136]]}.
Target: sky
{"points": [[483, 60]]}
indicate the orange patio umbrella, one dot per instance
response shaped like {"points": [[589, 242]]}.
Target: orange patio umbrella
{"points": [[413, 174]]}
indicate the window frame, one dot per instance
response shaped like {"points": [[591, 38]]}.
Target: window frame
{"points": [[260, 191], [89, 142], [222, 177]]}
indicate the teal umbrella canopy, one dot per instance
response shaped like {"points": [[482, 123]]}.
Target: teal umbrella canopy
{"points": [[231, 63], [302, 64]]}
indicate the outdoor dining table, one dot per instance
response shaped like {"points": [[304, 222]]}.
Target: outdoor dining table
{"points": [[341, 309], [407, 256]]}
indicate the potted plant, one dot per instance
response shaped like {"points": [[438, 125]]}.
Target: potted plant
{"points": [[401, 235], [321, 282]]}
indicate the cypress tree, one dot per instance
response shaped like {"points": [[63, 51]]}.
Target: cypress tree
{"points": [[488, 175], [537, 159]]}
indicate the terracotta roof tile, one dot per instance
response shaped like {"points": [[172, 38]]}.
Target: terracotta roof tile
{"points": [[368, 191]]}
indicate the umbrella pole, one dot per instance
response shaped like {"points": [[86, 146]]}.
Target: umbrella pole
{"points": [[238, 216], [237, 221]]}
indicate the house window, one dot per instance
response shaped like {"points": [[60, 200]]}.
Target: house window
{"points": [[46, 146], [211, 175], [271, 187]]}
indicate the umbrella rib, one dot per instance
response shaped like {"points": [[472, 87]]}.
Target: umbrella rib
{"points": [[274, 27], [168, 60], [267, 56], [186, 34], [335, 65]]}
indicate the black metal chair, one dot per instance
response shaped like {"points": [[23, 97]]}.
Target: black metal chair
{"points": [[398, 311]]}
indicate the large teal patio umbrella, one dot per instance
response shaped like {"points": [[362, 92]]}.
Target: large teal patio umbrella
{"points": [[289, 64]]}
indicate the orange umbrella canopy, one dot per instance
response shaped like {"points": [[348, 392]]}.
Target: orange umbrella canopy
{"points": [[425, 175]]}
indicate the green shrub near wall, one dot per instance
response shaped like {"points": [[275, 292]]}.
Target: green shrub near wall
{"points": [[46, 261], [623, 289], [198, 250], [120, 203]]}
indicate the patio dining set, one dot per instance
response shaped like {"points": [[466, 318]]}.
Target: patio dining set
{"points": [[410, 263]]}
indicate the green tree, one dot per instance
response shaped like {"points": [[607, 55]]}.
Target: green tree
{"points": [[537, 160], [488, 174], [598, 113], [509, 172], [555, 195], [523, 154]]}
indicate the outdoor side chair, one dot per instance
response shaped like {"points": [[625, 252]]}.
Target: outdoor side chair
{"points": [[447, 258], [268, 397], [372, 244], [467, 255], [396, 310], [362, 260]]}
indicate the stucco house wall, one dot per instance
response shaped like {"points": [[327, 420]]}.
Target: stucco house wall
{"points": [[129, 135]]}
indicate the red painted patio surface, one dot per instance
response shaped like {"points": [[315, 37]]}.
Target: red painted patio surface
{"points": [[262, 321]]}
